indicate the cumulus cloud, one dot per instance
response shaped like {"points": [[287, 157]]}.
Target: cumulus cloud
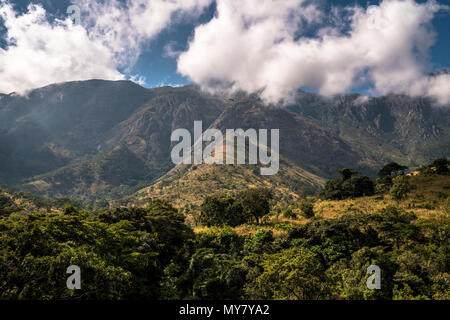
{"points": [[112, 35], [268, 46], [39, 53], [126, 26], [258, 45]]}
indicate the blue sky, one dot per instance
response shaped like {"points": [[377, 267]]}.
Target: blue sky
{"points": [[160, 69]]}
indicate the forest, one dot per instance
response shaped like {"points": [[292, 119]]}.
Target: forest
{"points": [[242, 246]]}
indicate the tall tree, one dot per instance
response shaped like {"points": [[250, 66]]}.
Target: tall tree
{"points": [[255, 202], [390, 169]]}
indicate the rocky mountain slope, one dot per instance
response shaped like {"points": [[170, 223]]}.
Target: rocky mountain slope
{"points": [[99, 139]]}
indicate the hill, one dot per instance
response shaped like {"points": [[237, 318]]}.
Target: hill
{"points": [[187, 186]]}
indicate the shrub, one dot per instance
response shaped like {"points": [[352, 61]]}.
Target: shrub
{"points": [[292, 274], [333, 190], [441, 166], [260, 242], [446, 206], [360, 186], [392, 169], [383, 185]]}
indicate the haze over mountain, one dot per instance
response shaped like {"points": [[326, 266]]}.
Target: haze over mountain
{"points": [[104, 139]]}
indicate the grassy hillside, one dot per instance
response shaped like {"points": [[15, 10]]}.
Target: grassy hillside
{"points": [[189, 185], [427, 199]]}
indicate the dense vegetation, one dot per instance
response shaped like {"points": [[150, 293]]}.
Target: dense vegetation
{"points": [[152, 253]]}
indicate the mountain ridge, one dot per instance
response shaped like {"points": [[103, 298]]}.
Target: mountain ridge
{"points": [[70, 126]]}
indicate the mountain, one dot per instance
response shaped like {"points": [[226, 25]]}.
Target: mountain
{"points": [[317, 136], [53, 126], [147, 131], [95, 140], [114, 173], [58, 140], [408, 130], [302, 141]]}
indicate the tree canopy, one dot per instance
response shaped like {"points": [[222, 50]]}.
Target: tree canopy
{"points": [[391, 169]]}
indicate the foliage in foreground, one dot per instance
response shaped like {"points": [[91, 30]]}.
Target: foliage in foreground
{"points": [[121, 253], [151, 254]]}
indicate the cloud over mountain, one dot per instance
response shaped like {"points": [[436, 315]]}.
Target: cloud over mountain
{"points": [[259, 45], [268, 46]]}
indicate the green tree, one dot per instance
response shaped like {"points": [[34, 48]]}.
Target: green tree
{"points": [[358, 187], [383, 185], [391, 169], [441, 286], [38, 248], [215, 276], [217, 211], [222, 240], [291, 274], [162, 225], [441, 166], [349, 275], [260, 242], [255, 203], [396, 227], [339, 189]]}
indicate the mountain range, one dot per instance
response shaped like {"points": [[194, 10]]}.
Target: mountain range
{"points": [[100, 141]]}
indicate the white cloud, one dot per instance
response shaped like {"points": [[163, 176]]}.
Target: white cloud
{"points": [[126, 27], [140, 80], [254, 45], [249, 45], [40, 53], [111, 37]]}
